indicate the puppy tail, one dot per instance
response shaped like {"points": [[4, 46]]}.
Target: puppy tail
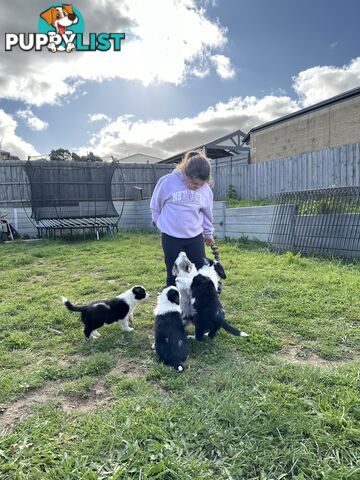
{"points": [[180, 368], [72, 307], [232, 330]]}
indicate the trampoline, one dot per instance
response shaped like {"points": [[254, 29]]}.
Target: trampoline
{"points": [[71, 196]]}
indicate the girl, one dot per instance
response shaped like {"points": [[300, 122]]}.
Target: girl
{"points": [[181, 205]]}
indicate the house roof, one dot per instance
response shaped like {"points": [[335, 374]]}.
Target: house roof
{"points": [[317, 106], [225, 146]]}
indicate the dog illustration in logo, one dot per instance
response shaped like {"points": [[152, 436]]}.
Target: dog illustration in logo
{"points": [[60, 18]]}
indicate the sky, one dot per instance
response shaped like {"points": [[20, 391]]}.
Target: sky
{"points": [[189, 71]]}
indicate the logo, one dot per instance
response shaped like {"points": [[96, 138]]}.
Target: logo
{"points": [[62, 29]]}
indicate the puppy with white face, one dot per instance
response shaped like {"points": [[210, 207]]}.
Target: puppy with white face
{"points": [[60, 18], [171, 342], [119, 309], [215, 271], [184, 271]]}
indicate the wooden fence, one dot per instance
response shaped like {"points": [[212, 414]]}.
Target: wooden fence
{"points": [[335, 167], [130, 181]]}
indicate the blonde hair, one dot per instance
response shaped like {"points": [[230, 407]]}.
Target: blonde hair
{"points": [[195, 165]]}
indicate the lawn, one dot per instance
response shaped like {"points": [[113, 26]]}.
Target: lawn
{"points": [[237, 203], [281, 404]]}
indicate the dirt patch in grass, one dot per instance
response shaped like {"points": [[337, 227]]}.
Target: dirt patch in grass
{"points": [[302, 355], [98, 395], [22, 408], [128, 367], [39, 278]]}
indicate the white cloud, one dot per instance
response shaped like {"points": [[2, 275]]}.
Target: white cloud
{"points": [[165, 41], [98, 117], [165, 138], [12, 142], [34, 123], [211, 3], [319, 83], [223, 66]]}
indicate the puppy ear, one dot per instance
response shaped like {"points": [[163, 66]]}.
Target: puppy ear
{"points": [[188, 267], [173, 296], [139, 292], [68, 8], [174, 270], [196, 280], [49, 15], [219, 269]]}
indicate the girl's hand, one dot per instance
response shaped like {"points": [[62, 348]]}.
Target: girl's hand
{"points": [[209, 241]]}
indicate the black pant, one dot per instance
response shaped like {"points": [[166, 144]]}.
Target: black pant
{"points": [[172, 246]]}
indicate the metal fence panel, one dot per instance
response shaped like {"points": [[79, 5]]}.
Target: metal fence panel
{"points": [[322, 222]]}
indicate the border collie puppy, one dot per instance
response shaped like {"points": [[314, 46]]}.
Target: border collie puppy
{"points": [[215, 271], [171, 342], [184, 271], [119, 309], [210, 314]]}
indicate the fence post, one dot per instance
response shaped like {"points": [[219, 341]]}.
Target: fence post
{"points": [[224, 219], [154, 177]]}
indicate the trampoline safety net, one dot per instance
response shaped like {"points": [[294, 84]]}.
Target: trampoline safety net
{"points": [[71, 195]]}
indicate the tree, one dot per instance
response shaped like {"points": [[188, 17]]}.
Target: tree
{"points": [[93, 158], [60, 155], [63, 155]]}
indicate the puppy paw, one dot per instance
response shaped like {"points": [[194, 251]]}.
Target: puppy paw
{"points": [[153, 346], [192, 337], [129, 329]]}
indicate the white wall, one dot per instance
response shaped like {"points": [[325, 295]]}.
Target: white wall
{"points": [[252, 222]]}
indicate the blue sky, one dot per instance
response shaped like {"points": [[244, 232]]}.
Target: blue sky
{"points": [[190, 71]]}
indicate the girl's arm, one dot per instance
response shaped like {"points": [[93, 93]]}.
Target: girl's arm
{"points": [[208, 227], [157, 200]]}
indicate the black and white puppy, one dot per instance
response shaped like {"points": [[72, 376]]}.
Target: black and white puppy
{"points": [[210, 314], [215, 271], [119, 309], [184, 271], [171, 342]]}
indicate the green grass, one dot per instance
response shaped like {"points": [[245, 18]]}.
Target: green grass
{"points": [[237, 203], [282, 404]]}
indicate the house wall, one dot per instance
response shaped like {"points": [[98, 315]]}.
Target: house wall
{"points": [[331, 126]]}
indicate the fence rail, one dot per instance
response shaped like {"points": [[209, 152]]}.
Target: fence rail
{"points": [[335, 167]]}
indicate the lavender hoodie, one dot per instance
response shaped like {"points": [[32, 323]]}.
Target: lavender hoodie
{"points": [[179, 211]]}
